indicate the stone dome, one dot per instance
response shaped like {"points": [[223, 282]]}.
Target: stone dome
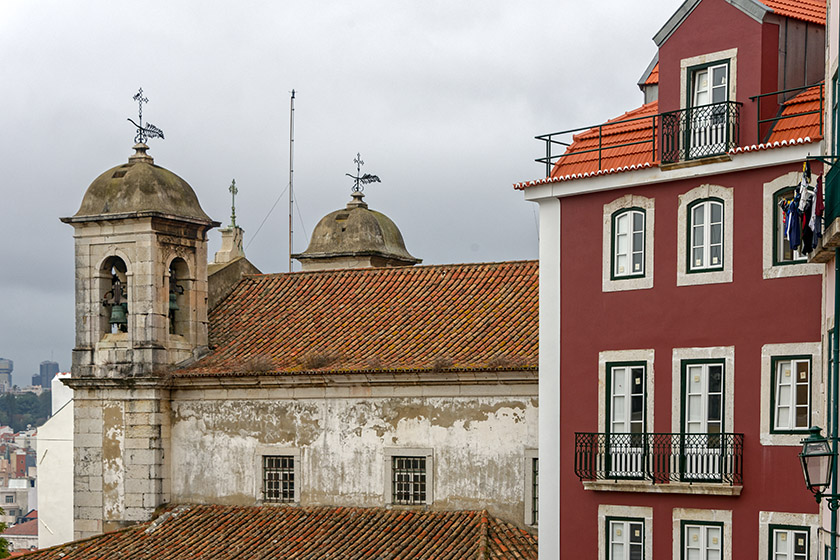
{"points": [[355, 237], [141, 186]]}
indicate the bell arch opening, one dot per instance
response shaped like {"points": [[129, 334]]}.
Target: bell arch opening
{"points": [[113, 291]]}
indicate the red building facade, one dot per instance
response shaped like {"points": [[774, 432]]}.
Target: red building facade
{"points": [[680, 335]]}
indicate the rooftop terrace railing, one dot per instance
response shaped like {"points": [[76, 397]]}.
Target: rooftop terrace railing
{"points": [[674, 136]]}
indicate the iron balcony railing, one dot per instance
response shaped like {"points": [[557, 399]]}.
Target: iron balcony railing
{"points": [[702, 131], [686, 134], [660, 458]]}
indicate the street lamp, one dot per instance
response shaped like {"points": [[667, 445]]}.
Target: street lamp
{"points": [[817, 462]]}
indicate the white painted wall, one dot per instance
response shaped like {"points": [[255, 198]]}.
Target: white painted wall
{"points": [[478, 445], [55, 470]]}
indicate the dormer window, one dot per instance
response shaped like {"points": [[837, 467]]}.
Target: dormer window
{"points": [[708, 120]]}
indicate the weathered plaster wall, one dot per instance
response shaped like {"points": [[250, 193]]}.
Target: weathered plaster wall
{"points": [[478, 446]]}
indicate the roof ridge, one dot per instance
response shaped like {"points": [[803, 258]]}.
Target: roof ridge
{"points": [[484, 529], [388, 268]]}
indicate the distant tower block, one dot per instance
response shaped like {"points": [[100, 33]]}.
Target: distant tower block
{"points": [[6, 367]]}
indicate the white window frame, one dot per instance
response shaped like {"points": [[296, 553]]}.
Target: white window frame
{"points": [[623, 528], [707, 262], [786, 270], [768, 434], [273, 451], [389, 454], [688, 515], [625, 356], [792, 377], [689, 64], [644, 514], [694, 276], [530, 456], [625, 228], [713, 353], [807, 521], [610, 281]]}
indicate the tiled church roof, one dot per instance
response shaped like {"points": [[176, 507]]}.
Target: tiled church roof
{"points": [[205, 532], [456, 317]]}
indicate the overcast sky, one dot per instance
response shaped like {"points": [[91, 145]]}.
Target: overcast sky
{"points": [[442, 99]]}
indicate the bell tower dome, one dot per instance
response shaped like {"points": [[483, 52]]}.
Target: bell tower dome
{"points": [[141, 308]]}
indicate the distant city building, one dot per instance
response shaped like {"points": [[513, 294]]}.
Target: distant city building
{"points": [[6, 367], [47, 371]]}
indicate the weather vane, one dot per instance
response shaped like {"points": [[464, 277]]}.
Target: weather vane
{"points": [[233, 192], [148, 131], [360, 179]]}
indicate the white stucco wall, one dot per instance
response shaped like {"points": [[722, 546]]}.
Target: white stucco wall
{"points": [[55, 478], [478, 445]]}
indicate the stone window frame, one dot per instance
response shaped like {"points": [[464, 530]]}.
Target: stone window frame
{"points": [[722, 517], [710, 354], [766, 519], [643, 513], [768, 353], [615, 357], [530, 456], [611, 209], [688, 65], [269, 451], [686, 201], [389, 453], [770, 266]]}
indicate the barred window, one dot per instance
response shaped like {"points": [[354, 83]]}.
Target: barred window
{"points": [[408, 478], [279, 478], [535, 491]]}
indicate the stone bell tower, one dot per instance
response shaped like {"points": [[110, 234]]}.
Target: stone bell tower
{"points": [[141, 308]]}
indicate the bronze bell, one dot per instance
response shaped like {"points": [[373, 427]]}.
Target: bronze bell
{"points": [[118, 314], [173, 301]]}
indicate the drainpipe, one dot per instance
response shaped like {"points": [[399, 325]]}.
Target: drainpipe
{"points": [[835, 381]]}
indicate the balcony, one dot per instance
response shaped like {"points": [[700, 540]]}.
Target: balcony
{"points": [[698, 132], [644, 137], [660, 459]]}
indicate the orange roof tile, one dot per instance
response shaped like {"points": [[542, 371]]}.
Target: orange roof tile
{"points": [[297, 533], [28, 528], [799, 125], [444, 317], [653, 77], [582, 155], [807, 10]]}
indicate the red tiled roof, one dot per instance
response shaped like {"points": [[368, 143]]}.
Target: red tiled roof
{"points": [[807, 10], [653, 77], [296, 533], [459, 317], [28, 528], [574, 162], [799, 125]]}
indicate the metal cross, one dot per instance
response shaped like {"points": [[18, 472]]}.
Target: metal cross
{"points": [[233, 192], [148, 131], [359, 178]]}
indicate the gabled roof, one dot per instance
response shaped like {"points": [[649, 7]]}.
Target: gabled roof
{"points": [[205, 532], [812, 11], [426, 318]]}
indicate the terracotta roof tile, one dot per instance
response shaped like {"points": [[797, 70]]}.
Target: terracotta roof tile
{"points": [[807, 10], [29, 528], [799, 124], [296, 533], [460, 317], [653, 77]]}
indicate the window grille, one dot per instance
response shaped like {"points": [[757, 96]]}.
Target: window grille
{"points": [[535, 490], [409, 480], [279, 478]]}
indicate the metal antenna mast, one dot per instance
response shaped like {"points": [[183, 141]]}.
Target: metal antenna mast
{"points": [[291, 176]]}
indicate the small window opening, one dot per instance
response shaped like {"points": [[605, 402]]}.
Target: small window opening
{"points": [[114, 286]]}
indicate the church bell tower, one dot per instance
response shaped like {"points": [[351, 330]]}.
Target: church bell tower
{"points": [[141, 308]]}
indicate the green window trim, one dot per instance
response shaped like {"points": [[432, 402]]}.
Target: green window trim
{"points": [[774, 361], [688, 238], [683, 374], [610, 366], [691, 72], [771, 541], [615, 216], [686, 522], [608, 533]]}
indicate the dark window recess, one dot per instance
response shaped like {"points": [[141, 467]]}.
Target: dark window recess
{"points": [[279, 478], [409, 480]]}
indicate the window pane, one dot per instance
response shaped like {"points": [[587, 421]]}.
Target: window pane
{"points": [[697, 214], [719, 75], [717, 212], [637, 262], [638, 241], [715, 255], [715, 378], [714, 407], [716, 233], [621, 223], [638, 221]]}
